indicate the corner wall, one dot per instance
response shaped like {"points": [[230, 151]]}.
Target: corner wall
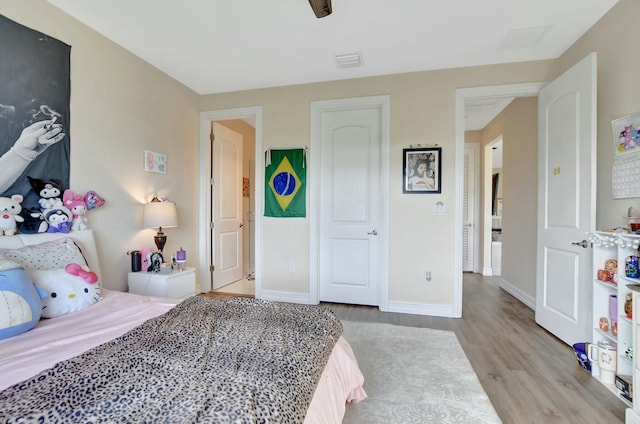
{"points": [[120, 106]]}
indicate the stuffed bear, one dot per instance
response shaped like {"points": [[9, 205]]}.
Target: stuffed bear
{"points": [[59, 219], [10, 214], [49, 192], [70, 289], [75, 203], [21, 300]]}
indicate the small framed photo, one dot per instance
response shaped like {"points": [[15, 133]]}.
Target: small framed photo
{"points": [[422, 170], [156, 261]]}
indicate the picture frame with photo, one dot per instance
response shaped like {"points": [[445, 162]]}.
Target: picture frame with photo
{"points": [[422, 170]]}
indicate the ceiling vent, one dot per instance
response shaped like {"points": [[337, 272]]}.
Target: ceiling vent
{"points": [[522, 38], [348, 60]]}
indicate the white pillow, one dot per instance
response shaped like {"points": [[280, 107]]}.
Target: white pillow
{"points": [[48, 255]]}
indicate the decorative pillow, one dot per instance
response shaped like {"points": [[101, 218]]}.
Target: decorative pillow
{"points": [[69, 289], [20, 301], [49, 255]]}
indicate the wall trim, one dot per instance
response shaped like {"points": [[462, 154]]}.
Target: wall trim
{"points": [[290, 297], [421, 309], [514, 291]]}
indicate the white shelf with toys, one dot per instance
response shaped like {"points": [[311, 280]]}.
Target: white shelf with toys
{"points": [[615, 266]]}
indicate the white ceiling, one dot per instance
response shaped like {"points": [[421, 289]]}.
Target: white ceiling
{"points": [[215, 46]]}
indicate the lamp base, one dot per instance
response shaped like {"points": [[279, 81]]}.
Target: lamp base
{"points": [[160, 240]]}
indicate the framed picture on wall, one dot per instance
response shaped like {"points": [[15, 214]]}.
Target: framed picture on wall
{"points": [[422, 170]]}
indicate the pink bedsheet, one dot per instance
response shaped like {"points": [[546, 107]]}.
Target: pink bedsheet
{"points": [[57, 339]]}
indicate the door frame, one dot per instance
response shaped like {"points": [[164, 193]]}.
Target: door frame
{"points": [[317, 107], [254, 113], [496, 91]]}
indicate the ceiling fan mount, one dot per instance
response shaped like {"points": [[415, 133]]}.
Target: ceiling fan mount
{"points": [[321, 8]]}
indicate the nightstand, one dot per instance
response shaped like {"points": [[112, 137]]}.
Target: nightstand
{"points": [[175, 285]]}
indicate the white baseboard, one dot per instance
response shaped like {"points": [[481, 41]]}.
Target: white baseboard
{"points": [[290, 297], [421, 309], [518, 294], [487, 272]]}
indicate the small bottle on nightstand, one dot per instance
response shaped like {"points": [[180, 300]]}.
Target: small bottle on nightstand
{"points": [[181, 259]]}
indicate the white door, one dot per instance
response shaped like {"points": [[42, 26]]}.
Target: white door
{"points": [[566, 201], [351, 210], [468, 213], [227, 206]]}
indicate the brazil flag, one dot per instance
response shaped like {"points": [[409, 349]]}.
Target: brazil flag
{"points": [[285, 184]]}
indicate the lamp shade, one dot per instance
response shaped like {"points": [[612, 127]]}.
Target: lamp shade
{"points": [[160, 214]]}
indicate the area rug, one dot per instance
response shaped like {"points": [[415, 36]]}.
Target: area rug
{"points": [[415, 375]]}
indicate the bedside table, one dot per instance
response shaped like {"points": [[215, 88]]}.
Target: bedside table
{"points": [[175, 285]]}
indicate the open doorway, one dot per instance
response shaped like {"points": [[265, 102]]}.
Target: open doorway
{"points": [[494, 178], [245, 125], [464, 95]]}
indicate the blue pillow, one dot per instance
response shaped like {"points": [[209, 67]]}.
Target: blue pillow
{"points": [[20, 303]]}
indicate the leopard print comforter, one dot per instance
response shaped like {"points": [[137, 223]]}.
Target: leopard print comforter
{"points": [[206, 360]]}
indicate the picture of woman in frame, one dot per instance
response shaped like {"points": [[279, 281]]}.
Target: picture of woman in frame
{"points": [[421, 170]]}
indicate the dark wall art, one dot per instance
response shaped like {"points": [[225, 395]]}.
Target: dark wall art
{"points": [[34, 110]]}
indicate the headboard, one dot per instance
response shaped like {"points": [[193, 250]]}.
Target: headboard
{"points": [[84, 237]]}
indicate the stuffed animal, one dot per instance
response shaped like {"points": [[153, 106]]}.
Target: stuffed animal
{"points": [[21, 300], [10, 214], [49, 192], [70, 289], [59, 219], [33, 223], [75, 203]]}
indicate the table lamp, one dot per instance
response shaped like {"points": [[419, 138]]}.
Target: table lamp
{"points": [[158, 214]]}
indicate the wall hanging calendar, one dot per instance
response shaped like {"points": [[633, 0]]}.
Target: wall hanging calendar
{"points": [[625, 172]]}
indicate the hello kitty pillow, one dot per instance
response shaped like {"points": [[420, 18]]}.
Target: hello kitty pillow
{"points": [[69, 289]]}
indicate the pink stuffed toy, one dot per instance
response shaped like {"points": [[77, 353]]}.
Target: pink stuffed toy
{"points": [[75, 203]]}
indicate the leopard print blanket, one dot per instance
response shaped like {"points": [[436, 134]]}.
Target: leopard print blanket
{"points": [[205, 360]]}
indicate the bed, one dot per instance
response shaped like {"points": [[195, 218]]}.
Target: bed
{"points": [[131, 358]]}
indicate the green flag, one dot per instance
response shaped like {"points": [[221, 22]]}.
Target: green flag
{"points": [[286, 184]]}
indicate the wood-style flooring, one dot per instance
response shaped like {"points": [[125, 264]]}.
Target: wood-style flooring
{"points": [[529, 375]]}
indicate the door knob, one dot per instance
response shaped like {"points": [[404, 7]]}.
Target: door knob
{"points": [[241, 225], [373, 233], [582, 243]]}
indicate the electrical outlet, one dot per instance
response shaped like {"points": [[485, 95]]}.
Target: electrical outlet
{"points": [[292, 267], [427, 275]]}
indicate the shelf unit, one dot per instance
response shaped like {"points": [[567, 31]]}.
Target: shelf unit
{"points": [[616, 246]]}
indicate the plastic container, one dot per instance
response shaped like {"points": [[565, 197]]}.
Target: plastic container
{"points": [[581, 354]]}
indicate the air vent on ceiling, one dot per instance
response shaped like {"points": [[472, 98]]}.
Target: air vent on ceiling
{"points": [[522, 38], [349, 60]]}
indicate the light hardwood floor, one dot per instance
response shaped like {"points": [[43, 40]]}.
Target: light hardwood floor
{"points": [[529, 375]]}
